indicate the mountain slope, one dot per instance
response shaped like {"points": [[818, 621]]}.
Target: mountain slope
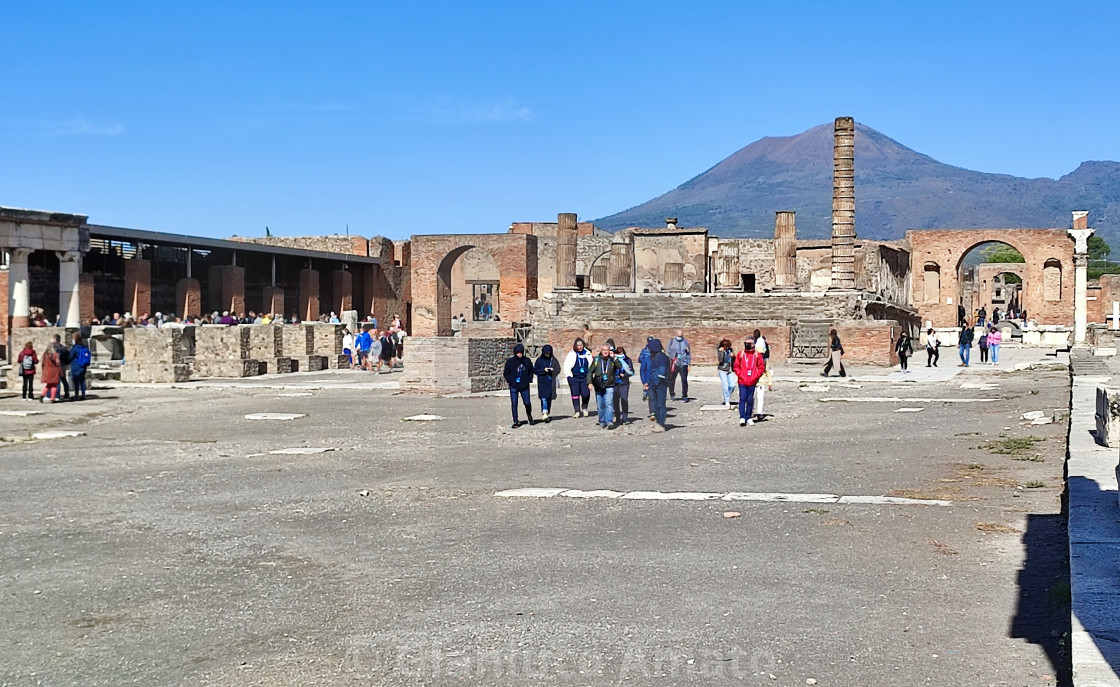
{"points": [[896, 189]]}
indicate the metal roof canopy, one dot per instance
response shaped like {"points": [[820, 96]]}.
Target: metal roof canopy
{"points": [[161, 238]]}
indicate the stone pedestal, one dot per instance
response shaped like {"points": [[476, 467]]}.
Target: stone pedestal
{"points": [[1108, 417], [266, 343], [155, 355], [299, 348], [445, 365], [222, 351]]}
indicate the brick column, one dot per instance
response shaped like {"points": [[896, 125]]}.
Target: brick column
{"points": [[137, 286], [272, 299], [233, 289], [308, 295], [188, 297], [87, 301], [342, 290]]}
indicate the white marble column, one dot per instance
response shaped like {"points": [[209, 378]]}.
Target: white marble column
{"points": [[69, 278], [1080, 283], [19, 287]]}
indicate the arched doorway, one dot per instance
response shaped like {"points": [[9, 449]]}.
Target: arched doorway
{"points": [[990, 279], [475, 286]]}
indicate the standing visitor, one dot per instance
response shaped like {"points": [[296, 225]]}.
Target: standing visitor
{"points": [[79, 362], [983, 345], [388, 351], [725, 360], [576, 365], [52, 371], [518, 373], [761, 345], [995, 338], [835, 355], [982, 314], [26, 363], [904, 349], [546, 368], [588, 336], [933, 348], [363, 342], [964, 348], [643, 360], [680, 355], [64, 360], [749, 368], [348, 347], [655, 378], [622, 387], [604, 377]]}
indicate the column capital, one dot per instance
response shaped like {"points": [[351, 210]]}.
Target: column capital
{"points": [[68, 255], [1080, 239], [20, 253], [1080, 259]]}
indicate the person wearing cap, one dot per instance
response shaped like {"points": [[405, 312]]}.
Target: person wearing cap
{"points": [[655, 380], [518, 374], [749, 367]]}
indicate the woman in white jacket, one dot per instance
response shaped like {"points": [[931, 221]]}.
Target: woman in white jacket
{"points": [[576, 365]]}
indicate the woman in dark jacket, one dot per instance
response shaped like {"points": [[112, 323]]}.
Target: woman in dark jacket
{"points": [[547, 368], [836, 351], [725, 358], [518, 373], [904, 349]]}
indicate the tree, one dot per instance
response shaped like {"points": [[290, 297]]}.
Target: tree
{"points": [[1098, 248], [1001, 252]]}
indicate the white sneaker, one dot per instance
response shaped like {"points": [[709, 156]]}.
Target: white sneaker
{"points": [[750, 421], [742, 422], [727, 406]]}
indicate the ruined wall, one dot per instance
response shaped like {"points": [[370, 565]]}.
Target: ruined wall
{"points": [[156, 355], [1101, 297], [756, 256], [390, 283], [337, 243], [475, 265], [447, 365], [546, 248], [659, 257], [884, 269], [591, 251]]}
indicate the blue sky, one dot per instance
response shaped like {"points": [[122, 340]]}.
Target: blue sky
{"points": [[219, 118]]}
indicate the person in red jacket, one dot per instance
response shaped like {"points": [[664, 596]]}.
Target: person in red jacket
{"points": [[749, 367], [26, 365]]}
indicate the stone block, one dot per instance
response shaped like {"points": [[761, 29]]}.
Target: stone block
{"points": [[210, 367], [274, 366], [446, 365], [308, 363], [155, 372], [265, 341], [1108, 417], [219, 342], [299, 340]]}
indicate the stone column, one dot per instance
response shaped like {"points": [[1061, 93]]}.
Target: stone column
{"points": [[1080, 233], [621, 266], [309, 295], [565, 252], [69, 285], [137, 286], [785, 251], [19, 287], [342, 290], [843, 205], [727, 266]]}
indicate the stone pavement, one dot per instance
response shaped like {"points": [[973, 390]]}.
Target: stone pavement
{"points": [[1094, 539]]}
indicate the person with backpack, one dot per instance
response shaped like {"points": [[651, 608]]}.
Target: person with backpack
{"points": [[933, 348], [547, 368], [749, 367], [983, 345], [725, 360], [604, 376], [904, 349], [518, 374], [576, 366], [26, 363], [622, 387], [52, 371], [655, 380], [680, 354], [80, 359]]}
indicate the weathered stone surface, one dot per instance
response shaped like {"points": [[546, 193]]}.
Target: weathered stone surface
{"points": [[265, 341], [155, 372], [455, 365], [299, 340], [1108, 416], [218, 342], [307, 363], [211, 367]]}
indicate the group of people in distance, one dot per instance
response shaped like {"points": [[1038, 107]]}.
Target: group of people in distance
{"points": [[610, 372], [991, 338], [371, 349], [65, 365]]}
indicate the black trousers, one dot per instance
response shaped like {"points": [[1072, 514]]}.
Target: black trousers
{"points": [[932, 354], [28, 386]]}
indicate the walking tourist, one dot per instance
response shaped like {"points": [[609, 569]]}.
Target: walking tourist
{"points": [[835, 355], [983, 345], [348, 347], [749, 367], [26, 363], [964, 348], [982, 316], [604, 377], [680, 355], [363, 342], [995, 338], [388, 351], [933, 348], [765, 383], [904, 349], [52, 370], [80, 359], [518, 373], [576, 365], [643, 360], [64, 360], [622, 386], [725, 360], [547, 368], [655, 380]]}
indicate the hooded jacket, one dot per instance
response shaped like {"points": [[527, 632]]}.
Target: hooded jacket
{"points": [[518, 371], [656, 371], [547, 369]]}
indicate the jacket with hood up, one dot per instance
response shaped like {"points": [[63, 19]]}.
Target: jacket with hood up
{"points": [[656, 372], [547, 369], [518, 371]]}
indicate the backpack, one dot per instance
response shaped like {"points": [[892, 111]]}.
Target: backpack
{"points": [[82, 358], [27, 365]]}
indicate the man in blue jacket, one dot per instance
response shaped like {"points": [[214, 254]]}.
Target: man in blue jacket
{"points": [[655, 380], [80, 359], [643, 360], [518, 373], [680, 355]]}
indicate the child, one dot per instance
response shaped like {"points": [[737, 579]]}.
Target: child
{"points": [[26, 364]]}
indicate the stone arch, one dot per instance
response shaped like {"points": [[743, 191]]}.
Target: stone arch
{"points": [[597, 271], [931, 282], [443, 289], [1052, 280]]}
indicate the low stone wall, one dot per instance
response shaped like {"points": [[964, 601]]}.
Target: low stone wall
{"points": [[328, 342], [446, 365], [40, 338], [155, 355], [222, 351]]}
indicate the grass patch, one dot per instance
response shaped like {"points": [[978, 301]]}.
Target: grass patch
{"points": [[967, 434], [995, 527], [975, 466], [1031, 459], [1011, 446], [1036, 484], [817, 511]]}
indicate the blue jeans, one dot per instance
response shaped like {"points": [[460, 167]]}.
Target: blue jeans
{"points": [[964, 351], [546, 400], [995, 352], [513, 396], [604, 400], [746, 401], [727, 382], [657, 402]]}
